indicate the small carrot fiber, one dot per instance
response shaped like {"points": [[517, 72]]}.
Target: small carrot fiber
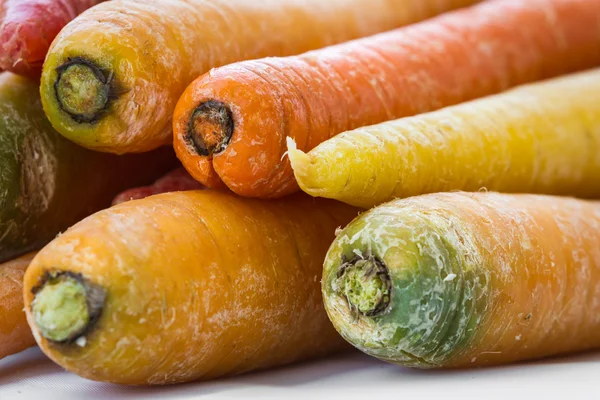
{"points": [[28, 28], [541, 138], [231, 124], [175, 181], [185, 286], [467, 279], [15, 334], [113, 75]]}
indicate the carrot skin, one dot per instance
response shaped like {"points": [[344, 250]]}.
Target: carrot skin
{"points": [[145, 53], [470, 279], [175, 181], [15, 334], [539, 138], [198, 285], [312, 97], [28, 28], [47, 183]]}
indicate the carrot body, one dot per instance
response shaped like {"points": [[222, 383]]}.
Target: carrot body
{"points": [[468, 279], [540, 138], [15, 334], [196, 285], [312, 97], [28, 28], [125, 63], [174, 181]]}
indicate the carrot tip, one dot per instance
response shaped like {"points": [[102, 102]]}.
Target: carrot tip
{"points": [[210, 128], [83, 90], [366, 285], [66, 306]]}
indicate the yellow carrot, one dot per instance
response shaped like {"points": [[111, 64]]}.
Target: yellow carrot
{"points": [[540, 138]]}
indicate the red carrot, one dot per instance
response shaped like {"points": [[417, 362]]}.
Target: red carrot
{"points": [[231, 124], [28, 28], [175, 181]]}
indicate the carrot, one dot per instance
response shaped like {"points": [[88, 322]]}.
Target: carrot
{"points": [[231, 124], [47, 183], [113, 75], [184, 286], [15, 335], [467, 279], [541, 138], [174, 181], [29, 26]]}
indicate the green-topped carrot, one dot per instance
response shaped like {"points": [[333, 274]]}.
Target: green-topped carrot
{"points": [[467, 279], [541, 138], [47, 183], [113, 75]]}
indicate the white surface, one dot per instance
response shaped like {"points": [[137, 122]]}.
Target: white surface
{"points": [[352, 376]]}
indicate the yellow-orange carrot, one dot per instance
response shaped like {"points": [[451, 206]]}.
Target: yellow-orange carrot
{"points": [[539, 138], [113, 75], [468, 279], [15, 335], [184, 286], [231, 124]]}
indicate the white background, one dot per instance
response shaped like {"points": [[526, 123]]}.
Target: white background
{"points": [[351, 376]]}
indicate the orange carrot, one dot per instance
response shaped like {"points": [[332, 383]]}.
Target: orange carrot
{"points": [[113, 75], [175, 181], [231, 124], [15, 335]]}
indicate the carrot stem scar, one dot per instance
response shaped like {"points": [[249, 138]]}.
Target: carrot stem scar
{"points": [[82, 89], [66, 306], [366, 285], [210, 128]]}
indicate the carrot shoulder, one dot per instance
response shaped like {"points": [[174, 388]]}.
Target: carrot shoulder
{"points": [[28, 28], [467, 279], [113, 75], [231, 124], [185, 286], [539, 138], [15, 334]]}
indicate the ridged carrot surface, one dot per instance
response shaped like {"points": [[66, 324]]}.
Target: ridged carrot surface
{"points": [[541, 138], [231, 124], [113, 75], [15, 334], [468, 279], [28, 28], [185, 286]]}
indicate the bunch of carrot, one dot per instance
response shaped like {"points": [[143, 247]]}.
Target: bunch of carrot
{"points": [[183, 280]]}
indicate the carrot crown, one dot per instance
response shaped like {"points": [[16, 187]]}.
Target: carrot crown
{"points": [[66, 306], [83, 90], [405, 294], [210, 128]]}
